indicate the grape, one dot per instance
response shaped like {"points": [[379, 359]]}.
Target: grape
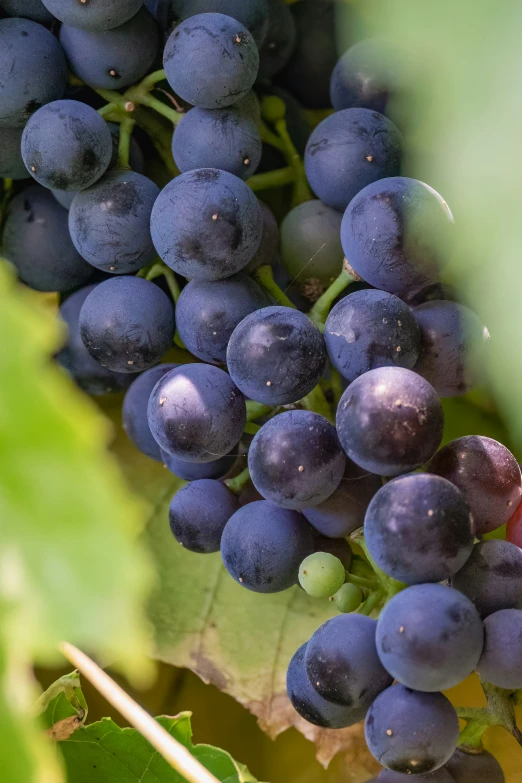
{"points": [[390, 421], [474, 767], [296, 460], [439, 776], [190, 471], [123, 338], [370, 329], [514, 527], [95, 14], [349, 150], [310, 705], [134, 411], [488, 475], [418, 529], [226, 139], [321, 574], [76, 359], [263, 348], [196, 413], [198, 514], [110, 222], [64, 197], [36, 240], [66, 145], [29, 9], [12, 165], [268, 251], [429, 637], [112, 59], [348, 598], [338, 547], [411, 732], [211, 60], [366, 76], [492, 577], [280, 39], [396, 234], [208, 313], [501, 660], [262, 546], [307, 75], [451, 338], [342, 663], [311, 248], [206, 224], [37, 70], [343, 512], [253, 14]]}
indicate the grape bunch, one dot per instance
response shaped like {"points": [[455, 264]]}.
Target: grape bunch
{"points": [[289, 369]]}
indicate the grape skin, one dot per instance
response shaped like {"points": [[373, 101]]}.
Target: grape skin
{"points": [[311, 245], [109, 222], [310, 705], [501, 661], [134, 411], [411, 732], [191, 471], [88, 374], [338, 547], [429, 637], [342, 663], [321, 574], [33, 81], [265, 345], [36, 241], [279, 41], [93, 15], [348, 598], [370, 329], [211, 60], [226, 139], [514, 527], [396, 233], [390, 421], [196, 413], [112, 59], [28, 9], [488, 475], [66, 145], [198, 514], [296, 460], [12, 165], [206, 224], [208, 313], [127, 339], [474, 767], [452, 334], [343, 511], [439, 776], [418, 528], [492, 577], [253, 14], [349, 150], [365, 76], [263, 546], [268, 250]]}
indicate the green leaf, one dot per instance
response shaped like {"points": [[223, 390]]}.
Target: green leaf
{"points": [[105, 753]]}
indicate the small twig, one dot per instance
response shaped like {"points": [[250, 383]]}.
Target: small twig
{"points": [[172, 751]]}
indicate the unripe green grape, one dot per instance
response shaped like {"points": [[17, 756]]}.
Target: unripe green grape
{"points": [[348, 598], [321, 574]]}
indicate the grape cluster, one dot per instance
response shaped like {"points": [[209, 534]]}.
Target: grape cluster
{"points": [[300, 418]]}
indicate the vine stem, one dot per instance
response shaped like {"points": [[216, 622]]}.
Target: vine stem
{"points": [[373, 600], [159, 269], [172, 751], [471, 735], [265, 277], [319, 312], [360, 581], [126, 128], [272, 179]]}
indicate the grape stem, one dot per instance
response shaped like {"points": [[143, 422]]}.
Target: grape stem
{"points": [[302, 190], [272, 179], [265, 277], [237, 483], [499, 712], [158, 269], [319, 312], [371, 603], [390, 586], [360, 581], [126, 128]]}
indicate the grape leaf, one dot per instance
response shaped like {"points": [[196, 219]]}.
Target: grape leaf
{"points": [[70, 564], [104, 753]]}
